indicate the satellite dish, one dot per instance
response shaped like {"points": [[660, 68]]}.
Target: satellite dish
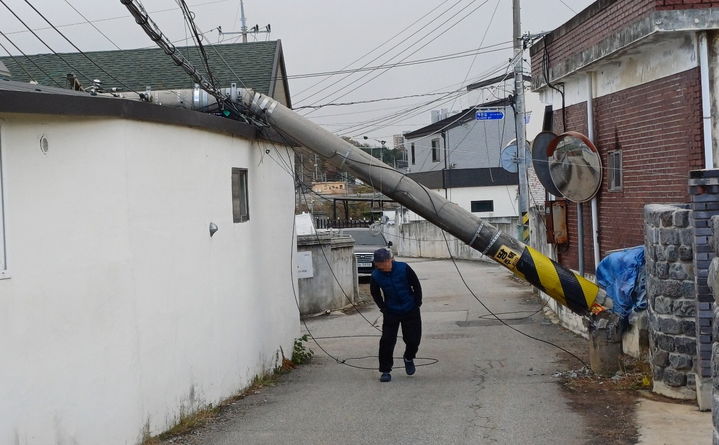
{"points": [[509, 159], [575, 166]]}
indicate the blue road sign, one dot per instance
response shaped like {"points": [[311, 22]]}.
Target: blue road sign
{"points": [[489, 115]]}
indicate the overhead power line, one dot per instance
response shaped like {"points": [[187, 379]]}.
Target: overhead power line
{"points": [[373, 100], [419, 39], [457, 55], [570, 8], [444, 31], [39, 68], [79, 50], [44, 43], [109, 19], [376, 48], [92, 24]]}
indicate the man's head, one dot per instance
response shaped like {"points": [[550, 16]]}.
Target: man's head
{"points": [[383, 259]]}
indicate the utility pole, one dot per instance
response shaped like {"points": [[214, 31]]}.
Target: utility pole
{"points": [[566, 287], [519, 123]]}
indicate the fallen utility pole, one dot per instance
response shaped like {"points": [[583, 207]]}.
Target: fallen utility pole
{"points": [[569, 289]]}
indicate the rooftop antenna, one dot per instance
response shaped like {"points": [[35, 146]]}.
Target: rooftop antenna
{"points": [[244, 30], [243, 21]]}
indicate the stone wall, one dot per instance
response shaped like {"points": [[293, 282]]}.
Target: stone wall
{"points": [[672, 299], [704, 193], [713, 281]]}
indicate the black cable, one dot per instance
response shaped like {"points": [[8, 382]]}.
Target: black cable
{"points": [[545, 72], [189, 18], [142, 96], [458, 55], [30, 76], [444, 31], [374, 49], [43, 42], [110, 19], [304, 323], [469, 289], [93, 25]]}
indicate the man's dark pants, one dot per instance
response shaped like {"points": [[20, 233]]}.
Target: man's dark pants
{"points": [[411, 333]]}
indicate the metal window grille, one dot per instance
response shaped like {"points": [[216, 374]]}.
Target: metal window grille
{"points": [[614, 167], [240, 201]]}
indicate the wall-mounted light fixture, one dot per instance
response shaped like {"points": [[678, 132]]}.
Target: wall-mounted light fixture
{"points": [[213, 229]]}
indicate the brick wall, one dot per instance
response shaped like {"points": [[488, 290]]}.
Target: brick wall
{"points": [[658, 127], [686, 4], [597, 22]]}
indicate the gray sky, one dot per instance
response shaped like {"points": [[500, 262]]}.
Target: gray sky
{"points": [[327, 35]]}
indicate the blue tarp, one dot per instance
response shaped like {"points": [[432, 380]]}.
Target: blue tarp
{"points": [[622, 275]]}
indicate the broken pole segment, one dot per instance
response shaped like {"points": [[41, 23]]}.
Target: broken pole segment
{"points": [[568, 288]]}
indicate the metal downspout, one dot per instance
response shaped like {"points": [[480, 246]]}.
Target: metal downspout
{"points": [[590, 131], [706, 100]]}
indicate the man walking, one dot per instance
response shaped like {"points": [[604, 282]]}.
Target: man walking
{"points": [[396, 290]]}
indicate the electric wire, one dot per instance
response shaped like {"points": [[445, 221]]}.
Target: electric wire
{"points": [[43, 41], [428, 34], [17, 62], [79, 50], [335, 358], [298, 94], [466, 285], [190, 20], [567, 5], [92, 24], [458, 55], [29, 59], [375, 124], [444, 31], [109, 19]]}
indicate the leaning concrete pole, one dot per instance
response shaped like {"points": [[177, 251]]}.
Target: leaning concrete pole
{"points": [[569, 289]]}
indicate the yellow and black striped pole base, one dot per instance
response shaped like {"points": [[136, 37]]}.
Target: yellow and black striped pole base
{"points": [[569, 289]]}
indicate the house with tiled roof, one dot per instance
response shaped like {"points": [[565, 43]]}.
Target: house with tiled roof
{"points": [[256, 65]]}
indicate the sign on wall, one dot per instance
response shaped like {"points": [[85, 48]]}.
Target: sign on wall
{"points": [[304, 265], [489, 115]]}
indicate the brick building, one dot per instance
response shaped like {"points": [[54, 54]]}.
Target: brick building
{"points": [[644, 65]]}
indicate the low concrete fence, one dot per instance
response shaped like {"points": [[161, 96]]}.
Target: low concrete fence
{"points": [[422, 239], [328, 276]]}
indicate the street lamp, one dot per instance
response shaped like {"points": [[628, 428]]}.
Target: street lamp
{"points": [[382, 143]]}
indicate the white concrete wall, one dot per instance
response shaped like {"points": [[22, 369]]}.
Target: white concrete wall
{"points": [[504, 197], [121, 312], [671, 54]]}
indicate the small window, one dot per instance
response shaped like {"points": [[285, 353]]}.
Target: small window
{"points": [[482, 206], [435, 150], [240, 202], [414, 159], [614, 167]]}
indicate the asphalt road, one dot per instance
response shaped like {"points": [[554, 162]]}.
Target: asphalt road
{"points": [[490, 385]]}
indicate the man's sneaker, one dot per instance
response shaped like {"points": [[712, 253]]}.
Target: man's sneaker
{"points": [[409, 366], [385, 377]]}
